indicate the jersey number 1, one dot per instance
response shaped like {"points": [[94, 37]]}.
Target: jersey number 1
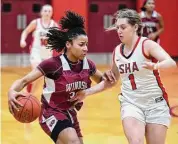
{"points": [[132, 81]]}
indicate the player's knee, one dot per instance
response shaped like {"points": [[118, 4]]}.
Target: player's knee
{"points": [[136, 140]]}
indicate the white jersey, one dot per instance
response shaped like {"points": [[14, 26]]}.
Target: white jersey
{"points": [[140, 86], [39, 40]]}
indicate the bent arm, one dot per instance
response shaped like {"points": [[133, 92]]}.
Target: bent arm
{"points": [[30, 28], [156, 51], [19, 84], [161, 25], [97, 77]]}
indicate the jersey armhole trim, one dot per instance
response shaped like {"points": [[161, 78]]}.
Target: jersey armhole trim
{"points": [[40, 69], [143, 51]]}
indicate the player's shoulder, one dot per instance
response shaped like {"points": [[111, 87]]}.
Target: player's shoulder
{"points": [[55, 24], [90, 62], [35, 20], [142, 14], [54, 62], [149, 44], [156, 14], [117, 48], [50, 65]]}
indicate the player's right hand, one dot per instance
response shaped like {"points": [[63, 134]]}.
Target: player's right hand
{"points": [[13, 103], [23, 44]]}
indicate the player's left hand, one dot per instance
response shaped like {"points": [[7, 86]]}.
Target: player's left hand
{"points": [[79, 97], [109, 76], [148, 65]]}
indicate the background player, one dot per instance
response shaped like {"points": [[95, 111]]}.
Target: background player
{"points": [[64, 76], [38, 51], [144, 102], [152, 21]]}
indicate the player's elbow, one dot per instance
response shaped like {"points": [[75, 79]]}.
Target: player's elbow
{"points": [[173, 63]]}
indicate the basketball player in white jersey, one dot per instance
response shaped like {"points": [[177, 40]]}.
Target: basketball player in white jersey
{"points": [[38, 51], [144, 102]]}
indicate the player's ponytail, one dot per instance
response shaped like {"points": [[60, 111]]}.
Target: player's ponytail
{"points": [[56, 39], [72, 25]]}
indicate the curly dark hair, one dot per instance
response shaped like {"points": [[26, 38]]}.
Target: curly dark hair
{"points": [[72, 25]]}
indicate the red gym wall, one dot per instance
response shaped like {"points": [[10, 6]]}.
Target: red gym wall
{"points": [[60, 6], [11, 44]]}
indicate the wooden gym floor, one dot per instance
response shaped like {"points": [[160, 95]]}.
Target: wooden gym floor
{"points": [[99, 118]]}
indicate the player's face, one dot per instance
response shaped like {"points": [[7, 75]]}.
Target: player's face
{"points": [[150, 5], [79, 47], [125, 30], [46, 12]]}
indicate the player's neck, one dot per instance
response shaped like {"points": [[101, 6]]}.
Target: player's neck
{"points": [[149, 13], [71, 58], [45, 20], [130, 44]]}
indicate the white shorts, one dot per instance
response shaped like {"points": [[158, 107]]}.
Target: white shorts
{"points": [[156, 115], [37, 56]]}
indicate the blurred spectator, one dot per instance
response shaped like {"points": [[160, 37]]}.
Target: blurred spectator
{"points": [[38, 51]]}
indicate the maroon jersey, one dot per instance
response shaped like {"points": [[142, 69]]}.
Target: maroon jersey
{"points": [[63, 79], [150, 24]]}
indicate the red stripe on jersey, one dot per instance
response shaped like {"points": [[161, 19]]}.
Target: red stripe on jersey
{"points": [[158, 79], [143, 51], [165, 96]]}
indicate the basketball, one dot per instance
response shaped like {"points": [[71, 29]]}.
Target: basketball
{"points": [[30, 110]]}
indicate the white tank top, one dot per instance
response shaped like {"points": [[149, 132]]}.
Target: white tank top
{"points": [[39, 39], [140, 86]]}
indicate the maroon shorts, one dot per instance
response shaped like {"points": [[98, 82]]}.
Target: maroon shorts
{"points": [[53, 122]]}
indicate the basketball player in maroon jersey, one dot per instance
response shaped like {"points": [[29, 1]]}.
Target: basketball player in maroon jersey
{"points": [[38, 51], [64, 76], [152, 21]]}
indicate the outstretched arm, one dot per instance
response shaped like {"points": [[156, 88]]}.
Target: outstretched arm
{"points": [[110, 79], [18, 85], [103, 85]]}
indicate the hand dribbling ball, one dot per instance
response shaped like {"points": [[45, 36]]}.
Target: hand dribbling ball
{"points": [[30, 110]]}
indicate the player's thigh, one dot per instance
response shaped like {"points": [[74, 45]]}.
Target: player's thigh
{"points": [[68, 136], [134, 130], [133, 123], [157, 121], [155, 134], [159, 115]]}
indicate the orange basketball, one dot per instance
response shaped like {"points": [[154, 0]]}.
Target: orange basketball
{"points": [[30, 111]]}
